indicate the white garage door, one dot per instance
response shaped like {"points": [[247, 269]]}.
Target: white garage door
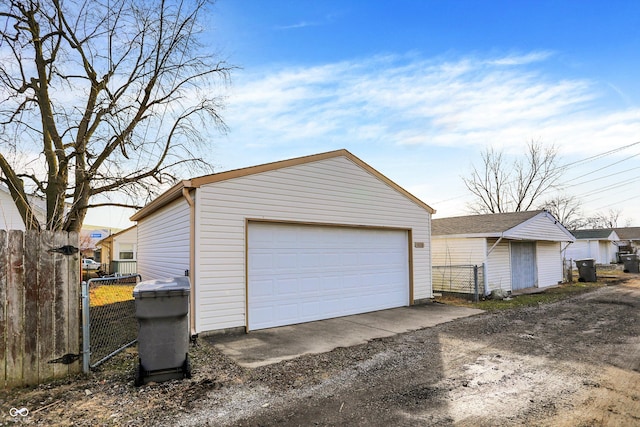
{"points": [[299, 273]]}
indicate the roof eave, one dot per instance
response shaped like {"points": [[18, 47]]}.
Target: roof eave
{"points": [[466, 236], [164, 199]]}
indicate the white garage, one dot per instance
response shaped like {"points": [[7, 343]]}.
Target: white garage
{"points": [[301, 273], [293, 241]]}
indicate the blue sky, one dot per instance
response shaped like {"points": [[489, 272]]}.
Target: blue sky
{"points": [[418, 89]]}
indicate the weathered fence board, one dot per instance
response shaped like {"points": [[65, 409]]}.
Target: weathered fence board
{"points": [[45, 305], [15, 308], [39, 307], [3, 304], [75, 308], [31, 331]]}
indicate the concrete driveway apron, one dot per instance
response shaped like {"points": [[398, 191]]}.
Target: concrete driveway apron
{"points": [[267, 346]]}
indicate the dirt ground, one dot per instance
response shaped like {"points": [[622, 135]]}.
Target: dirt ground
{"points": [[575, 362]]}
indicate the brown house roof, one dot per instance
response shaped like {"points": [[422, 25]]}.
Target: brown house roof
{"points": [[177, 190], [628, 233], [479, 224]]}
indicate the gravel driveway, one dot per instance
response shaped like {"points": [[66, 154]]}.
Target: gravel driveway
{"points": [[573, 362]]}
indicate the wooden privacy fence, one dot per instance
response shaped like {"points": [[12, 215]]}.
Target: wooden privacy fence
{"points": [[39, 306]]}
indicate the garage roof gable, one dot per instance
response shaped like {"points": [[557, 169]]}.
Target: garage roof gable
{"points": [[177, 190]]}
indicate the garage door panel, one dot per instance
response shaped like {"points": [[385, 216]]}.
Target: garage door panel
{"points": [[262, 261], [308, 261], [310, 285], [262, 289], [286, 288], [302, 273], [287, 312]]}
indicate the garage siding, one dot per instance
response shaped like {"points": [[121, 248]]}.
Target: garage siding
{"points": [[579, 250], [549, 263], [330, 191], [163, 242], [498, 266]]}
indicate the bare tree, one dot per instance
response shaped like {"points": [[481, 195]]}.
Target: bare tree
{"points": [[503, 186], [567, 210], [609, 219], [99, 98]]}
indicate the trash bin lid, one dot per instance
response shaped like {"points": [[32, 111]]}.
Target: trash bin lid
{"points": [[175, 286]]}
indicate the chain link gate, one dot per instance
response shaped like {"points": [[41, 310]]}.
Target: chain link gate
{"points": [[109, 324], [459, 279]]}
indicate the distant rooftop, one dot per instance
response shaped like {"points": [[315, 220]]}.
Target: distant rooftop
{"points": [[628, 233], [480, 224]]}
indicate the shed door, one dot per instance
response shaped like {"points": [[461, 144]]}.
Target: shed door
{"points": [[523, 265], [301, 273]]}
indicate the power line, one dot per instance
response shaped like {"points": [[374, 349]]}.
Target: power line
{"points": [[601, 177], [597, 156], [607, 166], [609, 187], [618, 202]]}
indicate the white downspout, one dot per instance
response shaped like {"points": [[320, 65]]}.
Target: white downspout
{"points": [[192, 257]]}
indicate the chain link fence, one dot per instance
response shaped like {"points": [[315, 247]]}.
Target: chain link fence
{"points": [[459, 279], [109, 323]]}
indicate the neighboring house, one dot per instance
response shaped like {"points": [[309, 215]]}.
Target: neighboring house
{"points": [[119, 251], [10, 218], [519, 250], [599, 244], [288, 242], [629, 239], [89, 237]]}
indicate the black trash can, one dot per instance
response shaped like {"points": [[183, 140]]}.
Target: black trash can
{"points": [[162, 308], [586, 270], [631, 263]]}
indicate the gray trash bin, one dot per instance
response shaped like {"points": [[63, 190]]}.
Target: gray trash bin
{"points": [[631, 263], [162, 308], [586, 270]]}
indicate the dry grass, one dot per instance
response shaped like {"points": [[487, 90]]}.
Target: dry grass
{"points": [[549, 295], [110, 294]]}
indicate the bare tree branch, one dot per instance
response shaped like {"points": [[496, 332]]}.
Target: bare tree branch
{"points": [[499, 186], [108, 97], [567, 210]]}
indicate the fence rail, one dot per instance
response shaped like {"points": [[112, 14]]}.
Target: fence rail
{"points": [[109, 322], [459, 279], [39, 306]]}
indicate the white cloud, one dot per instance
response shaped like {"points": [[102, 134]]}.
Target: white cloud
{"points": [[301, 24], [502, 101], [422, 122], [521, 59]]}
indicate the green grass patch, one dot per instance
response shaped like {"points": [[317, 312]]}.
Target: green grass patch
{"points": [[527, 300]]}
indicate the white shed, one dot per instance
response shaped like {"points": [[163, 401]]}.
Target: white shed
{"points": [[599, 244], [519, 250], [288, 242], [10, 218]]}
